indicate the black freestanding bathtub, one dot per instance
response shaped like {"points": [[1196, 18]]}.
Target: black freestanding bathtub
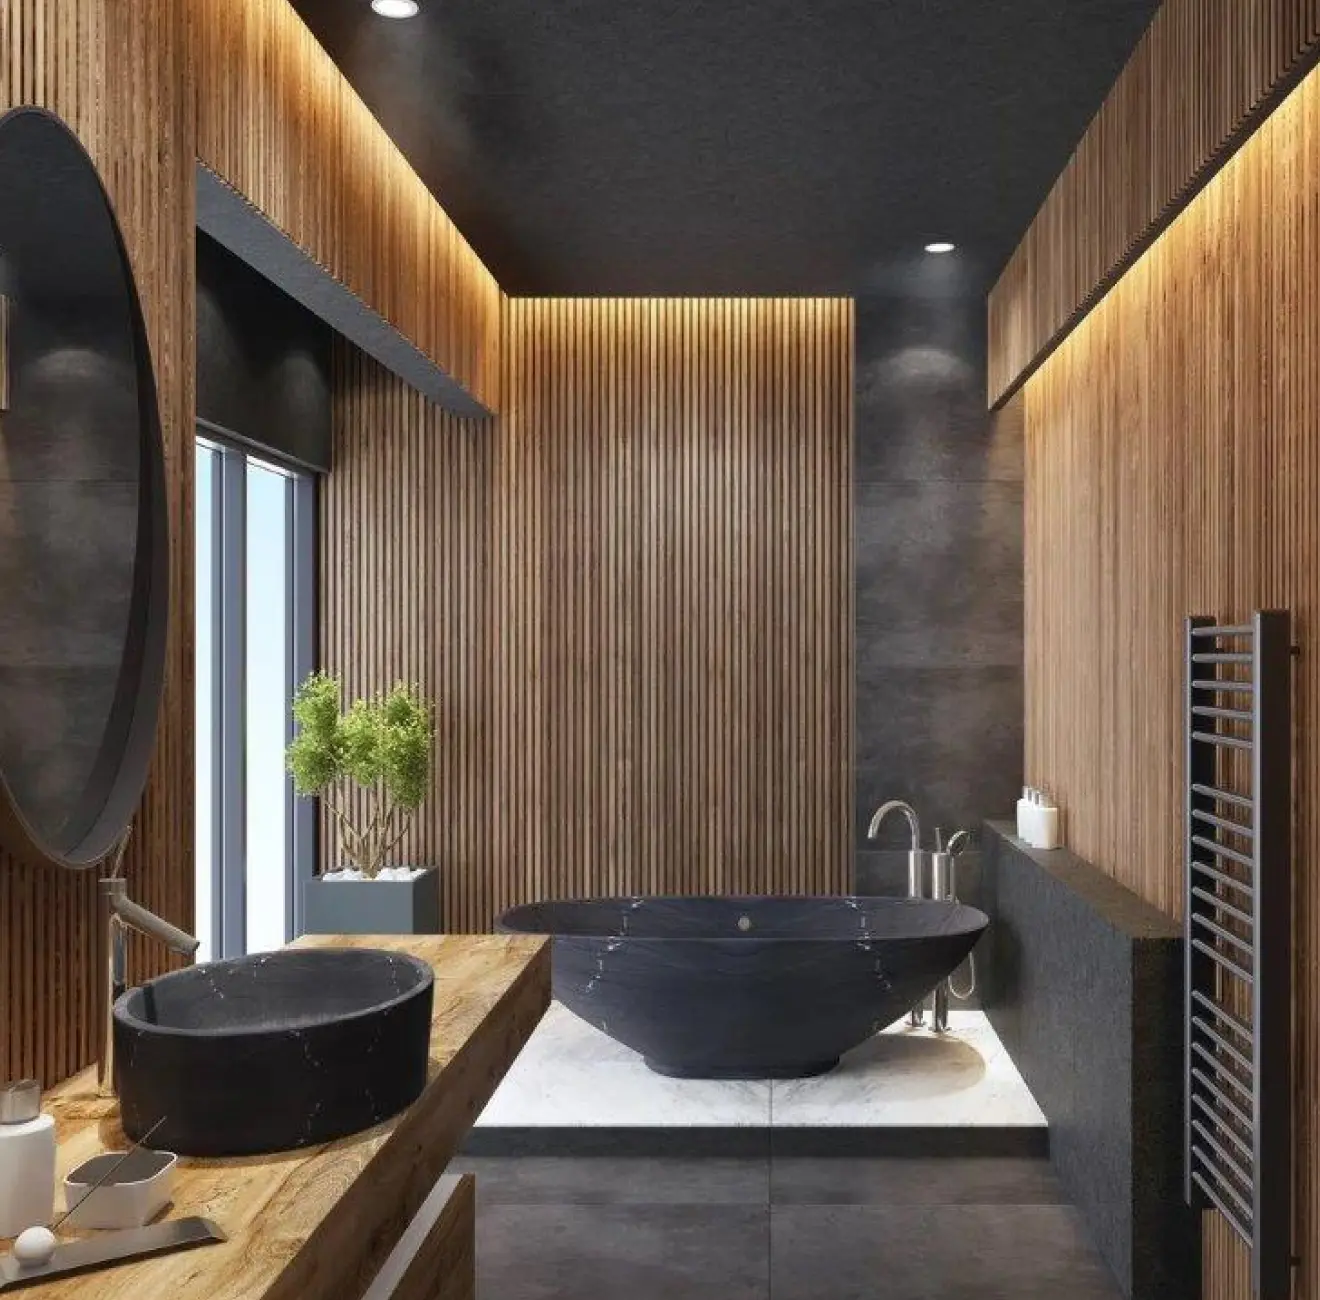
{"points": [[747, 988]]}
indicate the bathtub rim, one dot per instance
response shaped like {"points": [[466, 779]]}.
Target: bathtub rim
{"points": [[976, 920]]}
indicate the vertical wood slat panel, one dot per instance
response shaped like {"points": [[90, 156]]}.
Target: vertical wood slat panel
{"points": [[403, 586], [118, 71], [149, 86], [279, 122], [629, 596], [1202, 76], [1173, 466]]}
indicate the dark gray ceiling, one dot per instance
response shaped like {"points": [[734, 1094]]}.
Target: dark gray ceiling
{"points": [[733, 146]]}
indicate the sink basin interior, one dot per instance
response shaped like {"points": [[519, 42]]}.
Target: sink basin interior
{"points": [[276, 991]]}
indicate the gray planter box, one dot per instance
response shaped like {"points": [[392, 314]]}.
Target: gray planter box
{"points": [[373, 906]]}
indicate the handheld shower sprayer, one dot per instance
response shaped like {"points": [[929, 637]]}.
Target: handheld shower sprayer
{"points": [[959, 841]]}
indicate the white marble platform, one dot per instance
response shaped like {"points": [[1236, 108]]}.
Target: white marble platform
{"points": [[570, 1075]]}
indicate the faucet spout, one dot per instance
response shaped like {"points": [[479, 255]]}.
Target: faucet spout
{"points": [[898, 806], [121, 915], [136, 917]]}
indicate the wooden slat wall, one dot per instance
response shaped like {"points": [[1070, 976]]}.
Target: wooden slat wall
{"points": [[630, 596], [405, 595], [1173, 466], [116, 71], [1203, 74], [280, 123], [149, 86]]}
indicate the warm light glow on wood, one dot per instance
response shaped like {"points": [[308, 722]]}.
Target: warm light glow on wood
{"points": [[1201, 76], [1173, 467], [630, 597], [280, 123]]}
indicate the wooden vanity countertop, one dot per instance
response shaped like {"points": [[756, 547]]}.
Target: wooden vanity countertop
{"points": [[318, 1222]]}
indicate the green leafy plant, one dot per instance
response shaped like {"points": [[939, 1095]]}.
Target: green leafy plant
{"points": [[381, 745]]}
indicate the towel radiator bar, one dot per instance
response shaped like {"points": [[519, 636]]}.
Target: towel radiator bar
{"points": [[1238, 926]]}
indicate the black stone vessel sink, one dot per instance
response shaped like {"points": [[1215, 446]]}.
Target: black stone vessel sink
{"points": [[747, 988], [271, 1052]]}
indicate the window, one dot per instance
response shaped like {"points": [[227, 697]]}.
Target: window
{"points": [[254, 563]]}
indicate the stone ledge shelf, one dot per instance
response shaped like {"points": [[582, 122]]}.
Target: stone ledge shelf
{"points": [[321, 1222]]}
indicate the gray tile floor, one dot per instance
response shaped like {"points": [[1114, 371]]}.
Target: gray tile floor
{"points": [[804, 1228]]}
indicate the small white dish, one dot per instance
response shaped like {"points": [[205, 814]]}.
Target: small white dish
{"points": [[133, 1195]]}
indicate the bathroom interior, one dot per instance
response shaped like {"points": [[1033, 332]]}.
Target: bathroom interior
{"points": [[659, 650]]}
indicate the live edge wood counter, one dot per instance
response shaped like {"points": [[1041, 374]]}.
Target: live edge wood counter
{"points": [[318, 1223]]}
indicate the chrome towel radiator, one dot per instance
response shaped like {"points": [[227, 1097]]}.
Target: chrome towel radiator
{"points": [[1238, 929]]}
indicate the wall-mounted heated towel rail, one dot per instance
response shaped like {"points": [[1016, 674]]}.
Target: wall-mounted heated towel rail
{"points": [[1238, 927]]}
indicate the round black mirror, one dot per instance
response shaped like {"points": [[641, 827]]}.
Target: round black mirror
{"points": [[83, 528]]}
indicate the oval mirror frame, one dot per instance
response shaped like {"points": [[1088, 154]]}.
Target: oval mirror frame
{"points": [[107, 801]]}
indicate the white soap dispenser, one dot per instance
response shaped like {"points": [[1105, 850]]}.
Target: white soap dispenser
{"points": [[1023, 807], [1048, 832], [27, 1159]]}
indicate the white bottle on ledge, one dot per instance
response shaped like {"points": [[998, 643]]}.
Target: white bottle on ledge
{"points": [[1023, 812], [1048, 823]]}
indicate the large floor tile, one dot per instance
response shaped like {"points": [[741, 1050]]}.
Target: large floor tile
{"points": [[941, 1180], [633, 1252], [974, 1252], [605, 1180]]}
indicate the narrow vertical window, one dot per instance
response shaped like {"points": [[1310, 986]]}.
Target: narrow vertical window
{"points": [[253, 638]]}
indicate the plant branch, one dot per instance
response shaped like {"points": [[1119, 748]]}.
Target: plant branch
{"points": [[382, 814], [380, 824], [351, 839], [403, 830]]}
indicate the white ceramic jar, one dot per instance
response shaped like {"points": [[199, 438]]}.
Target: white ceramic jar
{"points": [[27, 1159]]}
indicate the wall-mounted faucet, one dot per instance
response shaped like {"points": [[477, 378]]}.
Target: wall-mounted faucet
{"points": [[916, 864], [120, 914]]}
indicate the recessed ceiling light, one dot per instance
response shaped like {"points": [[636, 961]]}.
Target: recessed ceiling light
{"points": [[940, 246], [395, 8]]}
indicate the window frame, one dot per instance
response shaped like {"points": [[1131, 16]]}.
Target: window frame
{"points": [[228, 793]]}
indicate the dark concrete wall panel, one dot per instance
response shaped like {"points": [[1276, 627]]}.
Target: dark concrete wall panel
{"points": [[937, 531]]}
